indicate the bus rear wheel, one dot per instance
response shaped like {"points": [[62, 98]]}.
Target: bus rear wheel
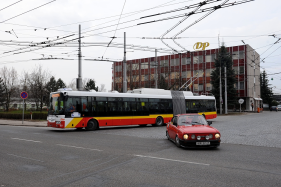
{"points": [[92, 125], [159, 122]]}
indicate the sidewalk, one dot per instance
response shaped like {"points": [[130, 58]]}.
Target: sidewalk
{"points": [[31, 123]]}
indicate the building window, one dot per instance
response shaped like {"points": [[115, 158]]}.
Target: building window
{"points": [[183, 74], [185, 61], [207, 72], [32, 105], [15, 105], [200, 87], [208, 87], [195, 87], [164, 63], [144, 65], [197, 73], [197, 59], [235, 55], [175, 62], [241, 54], [241, 85], [153, 65], [241, 69], [118, 68], [208, 58]]}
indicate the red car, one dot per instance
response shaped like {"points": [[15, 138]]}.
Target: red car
{"points": [[192, 130]]}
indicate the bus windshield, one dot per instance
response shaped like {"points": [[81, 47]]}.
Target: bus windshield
{"points": [[56, 104]]}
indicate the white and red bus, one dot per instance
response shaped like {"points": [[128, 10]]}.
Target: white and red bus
{"points": [[91, 110]]}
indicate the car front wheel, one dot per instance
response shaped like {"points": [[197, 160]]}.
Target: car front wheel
{"points": [[177, 140]]}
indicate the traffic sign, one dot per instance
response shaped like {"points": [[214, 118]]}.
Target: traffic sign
{"points": [[23, 95], [241, 101]]}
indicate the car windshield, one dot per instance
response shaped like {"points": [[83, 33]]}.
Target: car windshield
{"points": [[56, 104], [188, 120]]}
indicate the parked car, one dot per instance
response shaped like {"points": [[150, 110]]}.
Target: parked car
{"points": [[273, 108], [192, 130], [278, 107]]}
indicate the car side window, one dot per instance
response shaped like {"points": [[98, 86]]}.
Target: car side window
{"points": [[175, 120]]}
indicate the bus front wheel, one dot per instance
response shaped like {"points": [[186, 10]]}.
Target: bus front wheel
{"points": [[92, 125], [159, 121]]}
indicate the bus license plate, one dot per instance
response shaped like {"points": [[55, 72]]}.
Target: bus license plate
{"points": [[202, 143]]}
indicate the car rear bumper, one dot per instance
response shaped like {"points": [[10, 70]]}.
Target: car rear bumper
{"points": [[192, 143]]}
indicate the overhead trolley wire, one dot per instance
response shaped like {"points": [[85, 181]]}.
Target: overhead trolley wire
{"points": [[27, 11], [11, 5]]}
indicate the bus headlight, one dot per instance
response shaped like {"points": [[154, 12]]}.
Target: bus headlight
{"points": [[185, 136]]}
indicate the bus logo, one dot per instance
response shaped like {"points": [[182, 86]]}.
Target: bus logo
{"points": [[199, 45]]}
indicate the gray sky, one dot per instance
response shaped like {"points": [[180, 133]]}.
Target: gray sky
{"points": [[251, 22]]}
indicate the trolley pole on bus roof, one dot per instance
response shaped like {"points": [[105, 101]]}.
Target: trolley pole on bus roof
{"points": [[124, 67], [79, 79], [156, 70]]}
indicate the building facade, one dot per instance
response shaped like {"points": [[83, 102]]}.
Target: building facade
{"points": [[174, 71]]}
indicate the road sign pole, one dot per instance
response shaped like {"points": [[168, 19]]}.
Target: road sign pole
{"points": [[22, 110]]}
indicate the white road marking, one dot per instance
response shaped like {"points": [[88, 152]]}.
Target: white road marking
{"points": [[26, 140], [172, 160], [78, 147], [25, 157]]}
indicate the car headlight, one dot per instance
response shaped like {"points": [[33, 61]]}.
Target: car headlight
{"points": [[185, 136], [198, 137], [217, 136], [192, 136], [210, 136], [207, 137]]}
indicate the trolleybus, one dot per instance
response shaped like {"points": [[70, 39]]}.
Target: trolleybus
{"points": [[91, 110]]}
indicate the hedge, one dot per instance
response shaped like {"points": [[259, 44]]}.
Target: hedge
{"points": [[41, 116]]}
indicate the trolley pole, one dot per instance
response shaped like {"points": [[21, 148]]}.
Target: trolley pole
{"points": [[124, 67], [79, 79], [156, 70], [225, 89]]}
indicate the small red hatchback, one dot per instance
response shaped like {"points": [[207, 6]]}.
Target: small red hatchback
{"points": [[192, 130]]}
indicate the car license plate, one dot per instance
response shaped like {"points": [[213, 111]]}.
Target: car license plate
{"points": [[202, 143]]}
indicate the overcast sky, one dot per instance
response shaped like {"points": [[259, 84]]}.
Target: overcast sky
{"points": [[251, 22]]}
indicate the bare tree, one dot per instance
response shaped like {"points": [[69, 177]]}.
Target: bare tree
{"points": [[102, 88], [37, 82], [72, 84], [10, 84]]}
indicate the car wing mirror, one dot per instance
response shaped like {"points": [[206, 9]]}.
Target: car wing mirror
{"points": [[210, 122]]}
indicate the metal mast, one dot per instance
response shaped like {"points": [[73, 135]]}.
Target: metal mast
{"points": [[124, 67], [79, 79]]}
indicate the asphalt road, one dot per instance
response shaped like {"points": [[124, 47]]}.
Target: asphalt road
{"points": [[142, 156]]}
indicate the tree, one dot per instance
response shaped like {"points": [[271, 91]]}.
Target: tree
{"points": [[91, 85], [224, 59], [2, 92], [10, 84], [60, 84], [266, 92], [37, 83], [50, 87]]}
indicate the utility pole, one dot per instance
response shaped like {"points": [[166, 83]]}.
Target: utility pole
{"points": [[225, 89], [254, 79], [156, 70], [79, 79], [124, 67], [220, 88]]}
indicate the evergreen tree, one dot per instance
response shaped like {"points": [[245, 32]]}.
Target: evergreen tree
{"points": [[60, 84], [224, 59], [50, 87], [91, 85], [162, 83], [266, 92]]}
